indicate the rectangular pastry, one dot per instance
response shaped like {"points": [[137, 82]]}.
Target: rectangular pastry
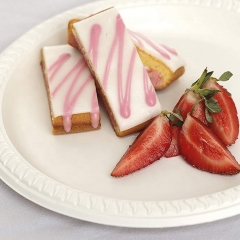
{"points": [[163, 64], [120, 76], [71, 90]]}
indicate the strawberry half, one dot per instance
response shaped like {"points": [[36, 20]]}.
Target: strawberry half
{"points": [[225, 123], [174, 148], [201, 148], [149, 146], [190, 102]]}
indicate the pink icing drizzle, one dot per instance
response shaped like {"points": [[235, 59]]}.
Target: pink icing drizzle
{"points": [[70, 103], [93, 53], [139, 37], [109, 61], [68, 75], [94, 42], [171, 50], [124, 100], [58, 64]]}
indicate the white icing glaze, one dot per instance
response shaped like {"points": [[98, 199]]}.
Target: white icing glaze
{"points": [[164, 53], [58, 98], [140, 111]]}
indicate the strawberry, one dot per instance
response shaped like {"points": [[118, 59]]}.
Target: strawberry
{"points": [[190, 102], [202, 148], [184, 106], [174, 148], [149, 146], [225, 122]]}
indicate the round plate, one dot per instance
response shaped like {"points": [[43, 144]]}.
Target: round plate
{"points": [[70, 174]]}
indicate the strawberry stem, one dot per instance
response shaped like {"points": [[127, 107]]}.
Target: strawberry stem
{"points": [[199, 82], [176, 118], [207, 94], [196, 86]]}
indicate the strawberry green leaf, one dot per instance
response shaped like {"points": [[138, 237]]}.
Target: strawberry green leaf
{"points": [[208, 116], [174, 116], [178, 123], [171, 118], [177, 116], [207, 93], [225, 76], [207, 77], [196, 85], [212, 105], [202, 80]]}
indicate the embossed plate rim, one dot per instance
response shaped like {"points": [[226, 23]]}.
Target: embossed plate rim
{"points": [[35, 186]]}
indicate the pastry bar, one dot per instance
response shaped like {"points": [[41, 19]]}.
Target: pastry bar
{"points": [[120, 77], [163, 64], [71, 90]]}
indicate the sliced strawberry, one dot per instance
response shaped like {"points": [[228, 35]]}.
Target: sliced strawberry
{"points": [[148, 147], [225, 123], [201, 148], [187, 102], [174, 149], [190, 102], [199, 112]]}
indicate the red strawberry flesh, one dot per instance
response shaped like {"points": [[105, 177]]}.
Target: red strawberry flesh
{"points": [[202, 149], [225, 123], [174, 148], [147, 148], [185, 105]]}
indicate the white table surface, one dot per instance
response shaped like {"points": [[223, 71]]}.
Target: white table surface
{"points": [[22, 219]]}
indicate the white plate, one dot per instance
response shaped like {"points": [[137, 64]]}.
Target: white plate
{"points": [[70, 174]]}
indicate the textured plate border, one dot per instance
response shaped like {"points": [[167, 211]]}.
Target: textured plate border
{"points": [[34, 185]]}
